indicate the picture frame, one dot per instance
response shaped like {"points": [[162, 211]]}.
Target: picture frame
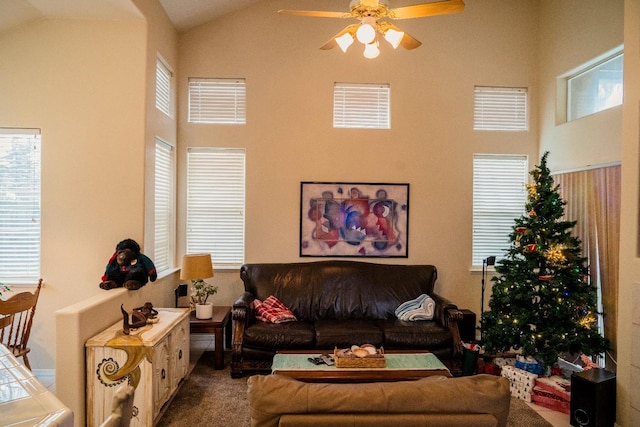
{"points": [[354, 219]]}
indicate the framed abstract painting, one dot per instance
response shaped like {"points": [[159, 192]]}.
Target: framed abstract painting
{"points": [[354, 219]]}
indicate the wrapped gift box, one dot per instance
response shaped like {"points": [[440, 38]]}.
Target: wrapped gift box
{"points": [[556, 385], [553, 392], [529, 364], [521, 382], [548, 400]]}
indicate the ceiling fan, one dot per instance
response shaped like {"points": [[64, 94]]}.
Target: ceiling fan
{"points": [[370, 13]]}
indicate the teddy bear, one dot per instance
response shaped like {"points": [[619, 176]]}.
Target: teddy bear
{"points": [[128, 268]]}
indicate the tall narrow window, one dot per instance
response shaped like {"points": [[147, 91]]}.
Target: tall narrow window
{"points": [[499, 197], [500, 108], [221, 101], [215, 204], [163, 87], [164, 206], [19, 206], [361, 106]]}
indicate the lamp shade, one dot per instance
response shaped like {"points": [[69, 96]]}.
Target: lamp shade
{"points": [[196, 266], [371, 50], [344, 41], [394, 37]]}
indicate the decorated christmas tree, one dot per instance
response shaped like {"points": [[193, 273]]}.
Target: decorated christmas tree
{"points": [[542, 300]]}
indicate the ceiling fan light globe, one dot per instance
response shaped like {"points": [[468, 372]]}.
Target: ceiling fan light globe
{"points": [[394, 37], [371, 51], [344, 41], [365, 34]]}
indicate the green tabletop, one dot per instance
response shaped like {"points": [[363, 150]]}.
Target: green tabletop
{"points": [[400, 361]]}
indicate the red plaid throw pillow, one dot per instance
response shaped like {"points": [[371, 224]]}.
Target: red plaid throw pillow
{"points": [[272, 310]]}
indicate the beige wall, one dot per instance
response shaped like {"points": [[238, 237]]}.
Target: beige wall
{"points": [[573, 32], [89, 86], [82, 83], [628, 373], [289, 135], [161, 40]]}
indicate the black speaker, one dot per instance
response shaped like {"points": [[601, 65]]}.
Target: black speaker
{"points": [[467, 326], [593, 398]]}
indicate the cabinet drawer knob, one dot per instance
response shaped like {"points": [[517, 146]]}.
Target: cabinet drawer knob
{"points": [[164, 374], [180, 354]]}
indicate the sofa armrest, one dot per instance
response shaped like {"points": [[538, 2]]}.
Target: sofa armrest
{"points": [[241, 317], [244, 301], [448, 315], [442, 309]]}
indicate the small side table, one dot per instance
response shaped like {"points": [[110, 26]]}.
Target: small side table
{"points": [[216, 325]]}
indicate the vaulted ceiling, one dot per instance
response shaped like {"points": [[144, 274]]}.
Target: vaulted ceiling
{"points": [[184, 14]]}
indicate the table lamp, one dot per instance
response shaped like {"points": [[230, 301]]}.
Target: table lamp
{"points": [[197, 267]]}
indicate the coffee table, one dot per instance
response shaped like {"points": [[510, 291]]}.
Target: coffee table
{"points": [[399, 367]]}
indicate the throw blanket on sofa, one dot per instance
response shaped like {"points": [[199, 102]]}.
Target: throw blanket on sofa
{"points": [[421, 308], [272, 310]]}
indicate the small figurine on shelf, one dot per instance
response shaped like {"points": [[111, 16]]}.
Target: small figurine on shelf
{"points": [[150, 313], [138, 320]]}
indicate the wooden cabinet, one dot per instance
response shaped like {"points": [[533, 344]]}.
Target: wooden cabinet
{"points": [[154, 359]]}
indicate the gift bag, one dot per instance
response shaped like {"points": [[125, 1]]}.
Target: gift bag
{"points": [[470, 353]]}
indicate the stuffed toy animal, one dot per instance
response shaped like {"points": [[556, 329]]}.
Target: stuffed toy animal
{"points": [[128, 268]]}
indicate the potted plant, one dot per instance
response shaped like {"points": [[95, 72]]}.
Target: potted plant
{"points": [[3, 288], [4, 319], [201, 292]]}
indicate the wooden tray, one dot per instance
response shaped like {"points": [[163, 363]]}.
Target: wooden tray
{"points": [[350, 360]]}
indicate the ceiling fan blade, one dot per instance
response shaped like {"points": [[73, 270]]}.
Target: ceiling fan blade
{"points": [[315, 13], [351, 29], [427, 9], [408, 42]]}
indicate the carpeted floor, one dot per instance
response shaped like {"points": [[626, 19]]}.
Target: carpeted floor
{"points": [[210, 397]]}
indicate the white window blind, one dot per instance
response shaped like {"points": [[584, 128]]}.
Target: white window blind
{"points": [[596, 88], [216, 204], [500, 108], [221, 101], [163, 87], [499, 197], [164, 206], [19, 206], [361, 106]]}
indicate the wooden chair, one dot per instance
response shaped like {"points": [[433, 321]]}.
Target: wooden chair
{"points": [[16, 318]]}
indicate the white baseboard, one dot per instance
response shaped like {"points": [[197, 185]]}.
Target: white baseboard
{"points": [[44, 372]]}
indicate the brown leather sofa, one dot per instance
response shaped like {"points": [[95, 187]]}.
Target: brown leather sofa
{"points": [[339, 304], [480, 400]]}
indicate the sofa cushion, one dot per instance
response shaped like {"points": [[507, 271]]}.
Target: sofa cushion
{"points": [[272, 396], [425, 334], [345, 333], [289, 335]]}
